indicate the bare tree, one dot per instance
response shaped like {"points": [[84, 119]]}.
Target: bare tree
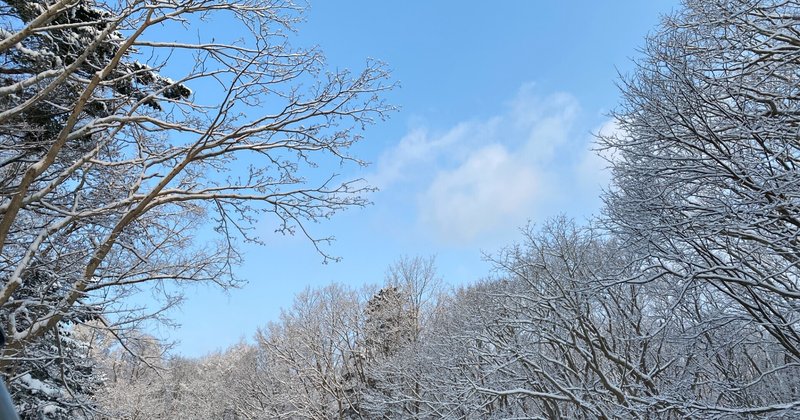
{"points": [[706, 182], [109, 169], [396, 321], [706, 172], [138, 384], [562, 333], [549, 338], [311, 356], [417, 279]]}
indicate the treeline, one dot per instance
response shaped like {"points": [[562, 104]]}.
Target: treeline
{"points": [[557, 333]]}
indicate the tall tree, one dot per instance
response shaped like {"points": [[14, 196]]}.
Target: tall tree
{"points": [[706, 173], [396, 320], [419, 283]]}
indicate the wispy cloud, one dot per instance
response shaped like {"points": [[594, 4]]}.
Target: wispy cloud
{"points": [[481, 176], [489, 188]]}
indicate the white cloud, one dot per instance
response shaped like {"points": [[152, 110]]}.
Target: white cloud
{"points": [[482, 176], [486, 190], [419, 149]]}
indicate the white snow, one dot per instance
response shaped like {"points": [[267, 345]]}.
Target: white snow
{"points": [[39, 386]]}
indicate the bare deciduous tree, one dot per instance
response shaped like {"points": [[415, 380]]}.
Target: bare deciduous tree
{"points": [[311, 356], [109, 169], [705, 184]]}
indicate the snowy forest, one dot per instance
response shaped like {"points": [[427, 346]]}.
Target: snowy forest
{"points": [[680, 300]]}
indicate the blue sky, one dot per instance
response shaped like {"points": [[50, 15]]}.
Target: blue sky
{"points": [[498, 105]]}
